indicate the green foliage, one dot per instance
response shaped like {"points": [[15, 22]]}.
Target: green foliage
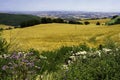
{"points": [[74, 22], [1, 29], [56, 58], [115, 20], [29, 23], [86, 23], [58, 20], [98, 23], [90, 66], [45, 20], [4, 46], [20, 66], [15, 19], [105, 67], [115, 16]]}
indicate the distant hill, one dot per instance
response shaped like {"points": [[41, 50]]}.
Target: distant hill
{"points": [[114, 21], [67, 14], [15, 19]]}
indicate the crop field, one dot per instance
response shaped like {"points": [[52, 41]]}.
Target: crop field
{"points": [[53, 36], [102, 21]]}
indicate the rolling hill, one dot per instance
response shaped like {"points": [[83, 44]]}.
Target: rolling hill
{"points": [[15, 19], [53, 36]]}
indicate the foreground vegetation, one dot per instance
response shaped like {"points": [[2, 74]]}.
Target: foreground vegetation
{"points": [[66, 63]]}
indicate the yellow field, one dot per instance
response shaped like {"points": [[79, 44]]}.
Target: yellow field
{"points": [[102, 21], [53, 36], [4, 26]]}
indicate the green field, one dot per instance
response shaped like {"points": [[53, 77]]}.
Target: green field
{"points": [[53, 36]]}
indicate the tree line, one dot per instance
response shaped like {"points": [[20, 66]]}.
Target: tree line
{"points": [[45, 20]]}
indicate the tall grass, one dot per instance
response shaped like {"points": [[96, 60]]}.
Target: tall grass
{"points": [[53, 36]]}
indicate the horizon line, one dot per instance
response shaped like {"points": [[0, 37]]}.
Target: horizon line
{"points": [[57, 11]]}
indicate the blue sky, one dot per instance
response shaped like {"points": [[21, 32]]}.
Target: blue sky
{"points": [[56, 5]]}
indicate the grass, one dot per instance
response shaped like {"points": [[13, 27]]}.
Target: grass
{"points": [[102, 21], [53, 36]]}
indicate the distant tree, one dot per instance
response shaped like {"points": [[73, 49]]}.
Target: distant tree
{"points": [[98, 23], [58, 20], [1, 29], [114, 16], [74, 22], [45, 20], [86, 22], [29, 23], [49, 20]]}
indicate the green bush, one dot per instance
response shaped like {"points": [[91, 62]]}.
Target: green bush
{"points": [[4, 46], [90, 66], [115, 20], [98, 23], [86, 23]]}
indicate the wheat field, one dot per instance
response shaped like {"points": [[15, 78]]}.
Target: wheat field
{"points": [[52, 36]]}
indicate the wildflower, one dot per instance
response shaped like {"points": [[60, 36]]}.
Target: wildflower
{"points": [[25, 61], [4, 67], [81, 53], [20, 54], [14, 56], [30, 64], [84, 57], [37, 67], [29, 54]]}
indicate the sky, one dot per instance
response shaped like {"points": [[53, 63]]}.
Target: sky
{"points": [[58, 5]]}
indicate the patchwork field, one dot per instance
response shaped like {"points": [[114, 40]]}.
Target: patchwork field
{"points": [[53, 36]]}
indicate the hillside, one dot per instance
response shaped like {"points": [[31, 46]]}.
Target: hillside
{"points": [[15, 19], [53, 36], [114, 21]]}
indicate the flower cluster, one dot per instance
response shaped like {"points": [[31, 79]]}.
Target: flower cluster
{"points": [[20, 64]]}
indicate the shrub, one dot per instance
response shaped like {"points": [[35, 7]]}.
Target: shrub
{"points": [[98, 23], [45, 20], [29, 23], [58, 20], [4, 46], [105, 67], [20, 66], [74, 22], [114, 21], [86, 22], [115, 16], [1, 29]]}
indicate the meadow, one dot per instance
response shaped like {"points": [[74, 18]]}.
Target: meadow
{"points": [[61, 52], [52, 36]]}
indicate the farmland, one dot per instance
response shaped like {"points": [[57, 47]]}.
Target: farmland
{"points": [[54, 51], [53, 36]]}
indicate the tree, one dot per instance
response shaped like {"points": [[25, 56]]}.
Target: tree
{"points": [[74, 22], [29, 23], [114, 16], [58, 20], [43, 20], [86, 22], [98, 23]]}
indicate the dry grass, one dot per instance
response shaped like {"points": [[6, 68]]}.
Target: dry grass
{"points": [[102, 21], [53, 36], [4, 26]]}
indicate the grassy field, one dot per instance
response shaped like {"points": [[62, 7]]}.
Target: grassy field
{"points": [[53, 36], [102, 21]]}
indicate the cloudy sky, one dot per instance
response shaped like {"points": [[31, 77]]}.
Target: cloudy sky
{"points": [[57, 5]]}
